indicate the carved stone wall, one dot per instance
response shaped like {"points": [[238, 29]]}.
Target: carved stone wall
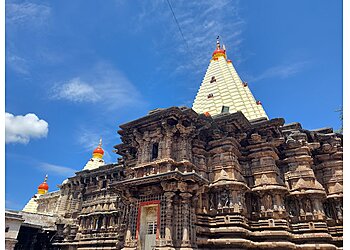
{"points": [[220, 182], [253, 180]]}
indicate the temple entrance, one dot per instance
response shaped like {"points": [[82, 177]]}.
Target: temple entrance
{"points": [[150, 237], [148, 226]]}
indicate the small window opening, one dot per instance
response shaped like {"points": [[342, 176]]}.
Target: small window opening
{"points": [[155, 151], [104, 184], [172, 122], [225, 109], [212, 79], [7, 229], [152, 227], [186, 123], [210, 96]]}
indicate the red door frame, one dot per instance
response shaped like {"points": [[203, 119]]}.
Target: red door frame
{"points": [[146, 203]]}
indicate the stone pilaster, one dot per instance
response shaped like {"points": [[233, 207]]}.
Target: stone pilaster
{"points": [[185, 203], [169, 217]]}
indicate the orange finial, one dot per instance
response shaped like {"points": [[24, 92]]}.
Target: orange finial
{"points": [[98, 152], [43, 187], [219, 51]]}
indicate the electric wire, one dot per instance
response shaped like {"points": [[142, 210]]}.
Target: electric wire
{"points": [[178, 25]]}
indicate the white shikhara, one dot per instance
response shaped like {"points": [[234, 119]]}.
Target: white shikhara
{"points": [[228, 90]]}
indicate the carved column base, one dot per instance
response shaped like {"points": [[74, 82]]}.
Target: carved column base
{"points": [[186, 244], [130, 245], [164, 244]]}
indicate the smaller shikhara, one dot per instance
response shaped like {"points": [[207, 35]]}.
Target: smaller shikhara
{"points": [[218, 176]]}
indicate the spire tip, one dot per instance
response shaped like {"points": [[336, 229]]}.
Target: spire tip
{"points": [[218, 42]]}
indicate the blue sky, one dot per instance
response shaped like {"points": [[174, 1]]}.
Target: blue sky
{"points": [[76, 70]]}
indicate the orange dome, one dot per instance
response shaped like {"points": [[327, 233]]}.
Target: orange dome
{"points": [[98, 150], [43, 186], [219, 52]]}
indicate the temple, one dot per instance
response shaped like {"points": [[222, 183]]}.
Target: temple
{"points": [[220, 175]]}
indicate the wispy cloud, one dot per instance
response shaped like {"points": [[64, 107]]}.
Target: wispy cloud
{"points": [[17, 63], [103, 84], [21, 129], [88, 139], [76, 90], [56, 169], [27, 13], [28, 16], [45, 167], [201, 22], [281, 71]]}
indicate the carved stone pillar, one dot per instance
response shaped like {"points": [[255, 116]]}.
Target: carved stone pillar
{"points": [[111, 221], [168, 219], [317, 206], [69, 202], [95, 222], [104, 222], [183, 155], [91, 223], [167, 145], [80, 223], [128, 235], [87, 223], [140, 152], [301, 207], [195, 204], [146, 157], [186, 213]]}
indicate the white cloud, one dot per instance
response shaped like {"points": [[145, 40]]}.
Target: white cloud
{"points": [[281, 71], [21, 129], [56, 169], [27, 13], [103, 84]]}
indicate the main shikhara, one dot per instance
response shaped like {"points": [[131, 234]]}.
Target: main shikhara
{"points": [[218, 176]]}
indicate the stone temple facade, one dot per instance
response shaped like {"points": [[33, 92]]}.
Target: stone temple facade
{"points": [[206, 179]]}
